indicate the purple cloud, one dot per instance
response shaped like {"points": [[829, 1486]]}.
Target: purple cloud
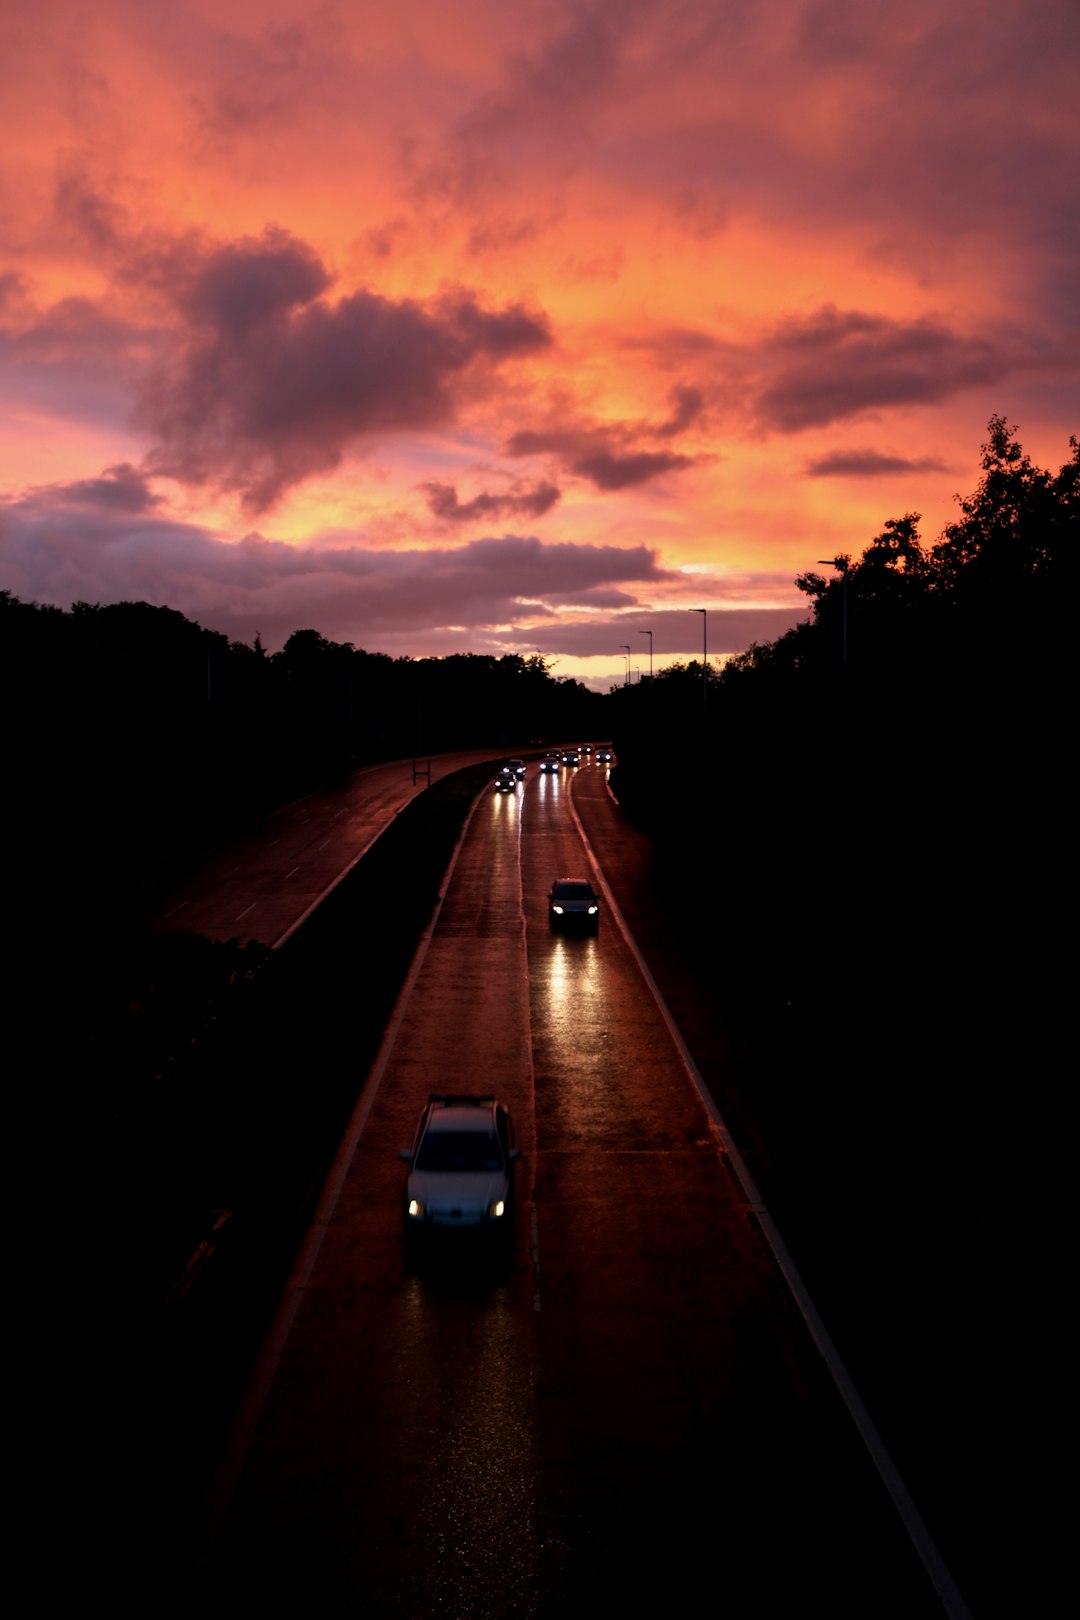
{"points": [[274, 384], [868, 464], [610, 455], [836, 364], [121, 488], [103, 540], [608, 470], [518, 502]]}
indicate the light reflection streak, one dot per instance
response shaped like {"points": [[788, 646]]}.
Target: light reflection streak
{"points": [[475, 1473]]}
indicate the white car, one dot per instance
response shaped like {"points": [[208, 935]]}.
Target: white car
{"points": [[461, 1169]]}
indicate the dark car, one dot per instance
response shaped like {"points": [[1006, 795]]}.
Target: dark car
{"points": [[603, 756], [549, 763], [517, 766], [461, 1169], [573, 903], [505, 782], [571, 757]]}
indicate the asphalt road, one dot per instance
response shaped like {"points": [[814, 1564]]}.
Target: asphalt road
{"points": [[635, 1415], [261, 886]]}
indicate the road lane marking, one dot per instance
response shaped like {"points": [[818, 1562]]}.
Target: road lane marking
{"points": [[245, 911], [534, 1250], [250, 1410], [530, 1070], [902, 1500]]}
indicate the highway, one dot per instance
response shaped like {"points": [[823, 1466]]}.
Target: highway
{"points": [[261, 886], [636, 1414]]}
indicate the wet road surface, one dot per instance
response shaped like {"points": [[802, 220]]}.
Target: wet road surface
{"points": [[633, 1414], [260, 886]]}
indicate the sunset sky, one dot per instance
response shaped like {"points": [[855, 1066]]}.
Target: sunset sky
{"points": [[505, 327]]}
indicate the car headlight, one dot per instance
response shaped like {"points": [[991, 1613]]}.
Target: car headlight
{"points": [[593, 910], [415, 1209], [497, 1210], [557, 910]]}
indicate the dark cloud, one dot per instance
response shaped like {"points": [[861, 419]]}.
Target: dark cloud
{"points": [[687, 405], [275, 383], [610, 455], [608, 470], [102, 540], [254, 281], [496, 236], [868, 464], [548, 87], [836, 364], [121, 488], [519, 502], [263, 77], [13, 290], [86, 209]]}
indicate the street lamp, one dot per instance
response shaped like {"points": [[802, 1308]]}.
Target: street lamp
{"points": [[649, 634], [704, 654], [841, 562], [625, 645]]}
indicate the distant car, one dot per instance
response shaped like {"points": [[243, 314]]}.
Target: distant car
{"points": [[573, 903], [571, 756], [603, 756], [517, 766], [505, 782], [549, 763], [461, 1169], [586, 748]]}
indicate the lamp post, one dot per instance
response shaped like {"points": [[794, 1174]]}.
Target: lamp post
{"points": [[625, 645], [649, 634], [704, 654], [841, 562]]}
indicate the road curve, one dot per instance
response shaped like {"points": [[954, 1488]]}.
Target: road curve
{"points": [[261, 885], [636, 1415]]}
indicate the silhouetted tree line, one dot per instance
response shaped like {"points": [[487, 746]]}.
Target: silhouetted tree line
{"points": [[868, 821], [142, 737]]}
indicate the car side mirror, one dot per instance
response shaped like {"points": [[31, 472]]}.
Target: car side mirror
{"points": [[406, 1154]]}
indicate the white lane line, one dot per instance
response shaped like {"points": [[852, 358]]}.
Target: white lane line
{"points": [[175, 909], [330, 887], [534, 1250], [534, 1219], [242, 1433], [902, 1500], [245, 911]]}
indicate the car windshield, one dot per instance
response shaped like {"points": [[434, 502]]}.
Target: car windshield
{"points": [[467, 1151], [573, 891]]}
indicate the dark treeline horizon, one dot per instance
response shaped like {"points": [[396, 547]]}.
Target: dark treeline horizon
{"points": [[164, 736], [868, 803], [868, 828]]}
